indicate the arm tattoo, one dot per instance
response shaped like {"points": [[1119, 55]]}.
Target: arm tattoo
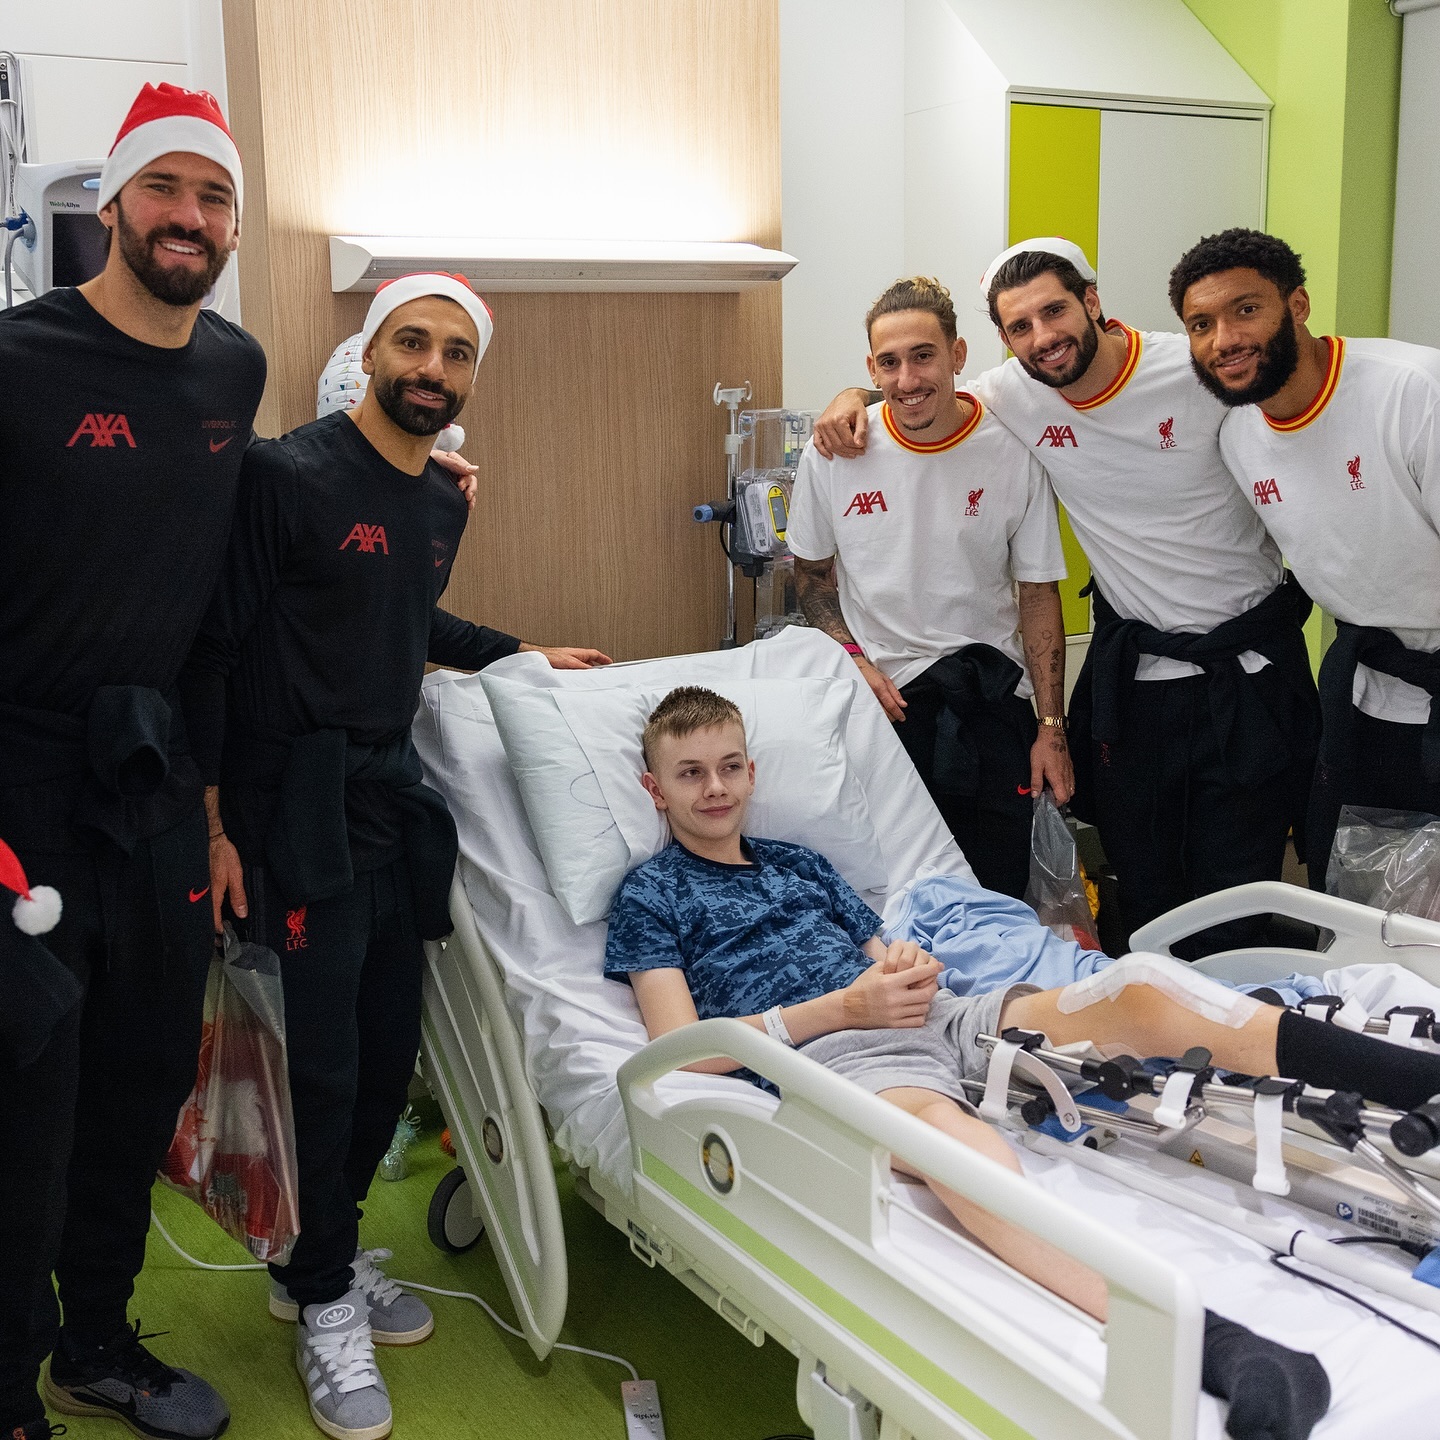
{"points": [[1042, 632], [820, 598]]}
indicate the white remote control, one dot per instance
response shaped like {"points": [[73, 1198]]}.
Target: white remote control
{"points": [[642, 1410]]}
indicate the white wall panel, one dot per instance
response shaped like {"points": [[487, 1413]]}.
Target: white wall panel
{"points": [[842, 157], [76, 105], [1166, 180], [100, 29], [1414, 296], [956, 166]]}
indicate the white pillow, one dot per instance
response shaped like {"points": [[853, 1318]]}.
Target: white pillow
{"points": [[577, 760]]}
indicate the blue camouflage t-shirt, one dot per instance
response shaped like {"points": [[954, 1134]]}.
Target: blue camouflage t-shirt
{"points": [[780, 931]]}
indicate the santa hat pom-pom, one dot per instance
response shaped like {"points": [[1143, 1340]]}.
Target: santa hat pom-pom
{"points": [[38, 912], [452, 437]]}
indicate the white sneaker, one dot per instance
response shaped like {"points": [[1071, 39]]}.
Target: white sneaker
{"points": [[335, 1356], [396, 1316]]}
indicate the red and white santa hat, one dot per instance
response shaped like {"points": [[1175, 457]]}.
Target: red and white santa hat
{"points": [[38, 907], [395, 293], [165, 118], [1045, 245]]}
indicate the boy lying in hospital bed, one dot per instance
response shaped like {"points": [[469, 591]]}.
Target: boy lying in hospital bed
{"points": [[719, 924]]}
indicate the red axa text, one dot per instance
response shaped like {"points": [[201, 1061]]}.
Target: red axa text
{"points": [[1059, 436], [103, 430], [367, 538], [1267, 492], [867, 502]]}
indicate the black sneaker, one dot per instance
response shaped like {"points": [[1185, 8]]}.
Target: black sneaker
{"points": [[126, 1382]]}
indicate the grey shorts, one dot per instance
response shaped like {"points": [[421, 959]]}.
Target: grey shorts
{"points": [[931, 1057]]}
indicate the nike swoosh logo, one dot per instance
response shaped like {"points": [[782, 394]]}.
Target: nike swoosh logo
{"points": [[216, 449], [439, 564], [1022, 790], [199, 894]]}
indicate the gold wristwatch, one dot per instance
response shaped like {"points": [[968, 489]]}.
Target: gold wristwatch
{"points": [[1055, 722]]}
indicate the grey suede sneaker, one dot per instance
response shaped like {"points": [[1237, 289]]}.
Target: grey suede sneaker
{"points": [[336, 1360], [124, 1381], [396, 1316]]}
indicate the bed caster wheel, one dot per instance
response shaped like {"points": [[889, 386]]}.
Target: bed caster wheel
{"points": [[451, 1222]]}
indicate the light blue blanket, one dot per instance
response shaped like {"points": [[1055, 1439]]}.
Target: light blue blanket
{"points": [[987, 941]]}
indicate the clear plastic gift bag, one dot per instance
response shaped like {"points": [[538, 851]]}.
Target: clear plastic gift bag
{"points": [[1387, 858], [1056, 889], [234, 1146]]}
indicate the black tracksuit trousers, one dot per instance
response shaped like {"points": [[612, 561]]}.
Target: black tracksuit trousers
{"points": [[352, 968], [1173, 822], [84, 1128], [991, 827]]}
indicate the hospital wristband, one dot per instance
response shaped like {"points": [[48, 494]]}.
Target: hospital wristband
{"points": [[775, 1026], [851, 648]]}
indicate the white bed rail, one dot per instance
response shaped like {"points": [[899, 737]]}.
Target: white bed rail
{"points": [[1363, 935], [805, 1212], [474, 1063]]}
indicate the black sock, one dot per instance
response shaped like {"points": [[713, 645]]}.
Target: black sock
{"points": [[1274, 1393], [1338, 1059]]}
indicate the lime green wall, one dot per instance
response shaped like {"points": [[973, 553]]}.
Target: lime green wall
{"points": [[1065, 200], [1332, 67]]}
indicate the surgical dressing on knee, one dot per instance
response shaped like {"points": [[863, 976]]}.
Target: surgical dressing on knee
{"points": [[1197, 993]]}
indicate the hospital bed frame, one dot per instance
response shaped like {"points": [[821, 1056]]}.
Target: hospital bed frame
{"points": [[778, 1217]]}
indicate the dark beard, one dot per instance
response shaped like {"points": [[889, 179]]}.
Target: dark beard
{"points": [[1278, 361], [411, 418], [1089, 344], [175, 286]]}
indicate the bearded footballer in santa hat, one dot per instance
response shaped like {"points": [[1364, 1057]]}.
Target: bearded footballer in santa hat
{"points": [[300, 692], [125, 412]]}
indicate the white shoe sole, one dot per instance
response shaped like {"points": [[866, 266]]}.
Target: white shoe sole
{"points": [[289, 1312]]}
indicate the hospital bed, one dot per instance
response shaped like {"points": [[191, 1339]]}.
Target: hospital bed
{"points": [[784, 1216]]}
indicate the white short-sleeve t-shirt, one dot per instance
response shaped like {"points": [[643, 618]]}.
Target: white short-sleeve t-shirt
{"points": [[928, 540], [1351, 491], [1139, 471]]}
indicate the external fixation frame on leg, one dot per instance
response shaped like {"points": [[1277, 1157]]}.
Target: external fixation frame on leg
{"points": [[1186, 1094]]}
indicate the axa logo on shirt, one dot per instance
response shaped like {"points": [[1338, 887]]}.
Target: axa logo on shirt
{"points": [[866, 503], [1059, 436], [1353, 467], [367, 539], [1266, 492], [103, 430], [973, 507], [1167, 433]]}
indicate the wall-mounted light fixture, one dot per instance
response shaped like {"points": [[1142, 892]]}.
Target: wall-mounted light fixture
{"points": [[363, 262]]}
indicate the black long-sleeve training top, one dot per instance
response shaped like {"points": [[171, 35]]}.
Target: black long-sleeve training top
{"points": [[325, 616], [118, 470]]}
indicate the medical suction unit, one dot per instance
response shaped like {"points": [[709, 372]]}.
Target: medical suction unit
{"points": [[762, 451]]}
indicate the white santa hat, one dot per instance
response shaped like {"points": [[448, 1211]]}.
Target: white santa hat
{"points": [[163, 119], [1044, 245], [38, 908], [395, 293]]}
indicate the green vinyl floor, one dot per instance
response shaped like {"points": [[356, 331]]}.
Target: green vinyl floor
{"points": [[469, 1378]]}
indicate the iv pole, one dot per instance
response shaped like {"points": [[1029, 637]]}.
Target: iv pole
{"points": [[732, 399]]}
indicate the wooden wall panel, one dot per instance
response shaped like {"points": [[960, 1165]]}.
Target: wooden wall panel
{"points": [[592, 421]]}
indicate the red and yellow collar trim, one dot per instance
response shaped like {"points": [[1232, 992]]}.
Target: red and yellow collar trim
{"points": [[934, 447], [1133, 346], [1323, 396]]}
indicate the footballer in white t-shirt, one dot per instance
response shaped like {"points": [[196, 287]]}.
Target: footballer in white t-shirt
{"points": [[1131, 444], [941, 544], [1335, 444]]}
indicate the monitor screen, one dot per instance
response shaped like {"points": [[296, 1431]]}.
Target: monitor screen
{"points": [[79, 244]]}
